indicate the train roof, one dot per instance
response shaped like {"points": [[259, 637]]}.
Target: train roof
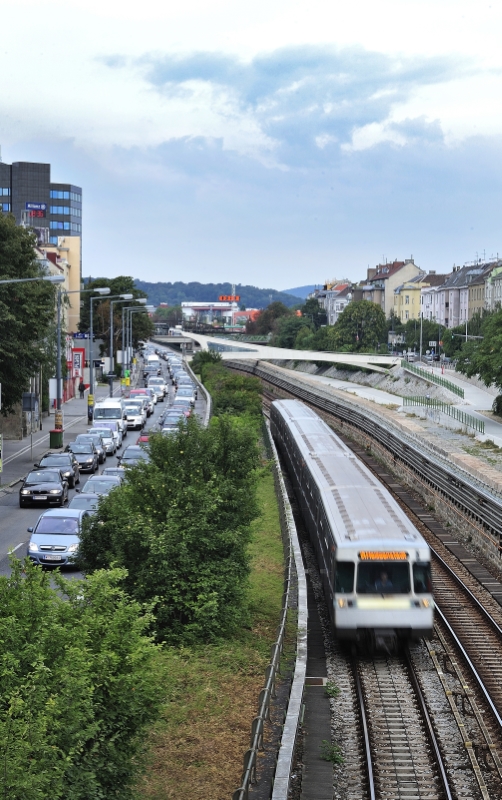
{"points": [[361, 512]]}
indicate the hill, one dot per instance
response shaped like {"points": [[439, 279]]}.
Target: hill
{"points": [[175, 293], [301, 291]]}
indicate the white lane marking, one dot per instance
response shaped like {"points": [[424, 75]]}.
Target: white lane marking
{"points": [[16, 547], [39, 441]]}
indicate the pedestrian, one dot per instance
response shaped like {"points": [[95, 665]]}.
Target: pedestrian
{"points": [[81, 388]]}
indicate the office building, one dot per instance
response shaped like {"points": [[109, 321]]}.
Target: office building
{"points": [[51, 209]]}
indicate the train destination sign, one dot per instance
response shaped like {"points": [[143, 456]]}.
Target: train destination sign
{"points": [[229, 298], [388, 555]]}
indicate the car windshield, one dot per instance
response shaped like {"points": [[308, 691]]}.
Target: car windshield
{"points": [[135, 452], [133, 409], [55, 461], [156, 381], [108, 413], [106, 434], [43, 476], [112, 471], [184, 392], [83, 437], [57, 525], [81, 501], [101, 486], [81, 448]]}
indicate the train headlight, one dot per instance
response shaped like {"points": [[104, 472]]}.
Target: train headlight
{"points": [[426, 603], [342, 603]]}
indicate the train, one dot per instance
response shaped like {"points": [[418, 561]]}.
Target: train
{"points": [[374, 564]]}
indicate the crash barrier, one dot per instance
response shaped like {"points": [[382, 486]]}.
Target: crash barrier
{"points": [[429, 376], [444, 408], [294, 584], [207, 396]]}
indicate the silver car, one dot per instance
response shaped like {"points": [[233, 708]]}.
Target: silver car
{"points": [[108, 439]]}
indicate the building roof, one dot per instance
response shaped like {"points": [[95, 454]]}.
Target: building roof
{"points": [[384, 271]]}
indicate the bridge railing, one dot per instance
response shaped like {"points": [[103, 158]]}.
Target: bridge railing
{"points": [[455, 413], [429, 376]]}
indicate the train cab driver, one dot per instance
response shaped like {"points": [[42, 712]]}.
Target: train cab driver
{"points": [[383, 584]]}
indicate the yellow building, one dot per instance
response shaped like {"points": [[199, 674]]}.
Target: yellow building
{"points": [[63, 258], [407, 299]]}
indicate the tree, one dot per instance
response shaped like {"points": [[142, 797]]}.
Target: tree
{"points": [[483, 357], [27, 315], [287, 329], [142, 325], [314, 313], [180, 525], [78, 686], [266, 319], [170, 316], [361, 327]]}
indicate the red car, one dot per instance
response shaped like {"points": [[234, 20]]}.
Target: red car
{"points": [[143, 437]]}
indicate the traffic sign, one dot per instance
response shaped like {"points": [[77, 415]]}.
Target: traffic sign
{"points": [[81, 336], [432, 344], [90, 399]]}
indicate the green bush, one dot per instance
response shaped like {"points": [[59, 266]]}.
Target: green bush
{"points": [[232, 393], [77, 686], [180, 525], [204, 357]]}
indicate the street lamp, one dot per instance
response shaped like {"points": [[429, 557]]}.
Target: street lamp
{"points": [[129, 326], [100, 291], [47, 278], [112, 303], [141, 301]]}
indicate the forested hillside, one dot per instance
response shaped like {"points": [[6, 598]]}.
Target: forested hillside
{"points": [[177, 292]]}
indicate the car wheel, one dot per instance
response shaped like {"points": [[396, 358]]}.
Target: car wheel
{"points": [[21, 504]]}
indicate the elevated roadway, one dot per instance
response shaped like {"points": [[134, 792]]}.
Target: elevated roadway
{"points": [[249, 350]]}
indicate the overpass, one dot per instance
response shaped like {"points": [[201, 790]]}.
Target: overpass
{"points": [[235, 350]]}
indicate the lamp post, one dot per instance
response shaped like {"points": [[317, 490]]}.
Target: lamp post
{"points": [[101, 291], [129, 326], [140, 302], [112, 303], [105, 290], [46, 278]]}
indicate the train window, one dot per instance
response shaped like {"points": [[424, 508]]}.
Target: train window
{"points": [[422, 583], [383, 578], [344, 577]]}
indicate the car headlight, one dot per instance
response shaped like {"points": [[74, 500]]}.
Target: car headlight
{"points": [[25, 491], [73, 548], [32, 547], [89, 460], [55, 491], [342, 602], [67, 473]]}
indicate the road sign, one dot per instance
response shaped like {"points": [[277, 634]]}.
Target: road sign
{"points": [[432, 344], [81, 335], [90, 399], [58, 420]]}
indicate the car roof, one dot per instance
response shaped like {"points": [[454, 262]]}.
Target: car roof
{"points": [[96, 478]]}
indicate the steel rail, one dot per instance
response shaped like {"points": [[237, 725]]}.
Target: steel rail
{"points": [[429, 726], [366, 736]]}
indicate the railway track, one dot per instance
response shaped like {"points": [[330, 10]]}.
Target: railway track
{"points": [[467, 655], [403, 756]]}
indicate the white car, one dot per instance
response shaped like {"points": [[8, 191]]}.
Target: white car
{"points": [[135, 416]]}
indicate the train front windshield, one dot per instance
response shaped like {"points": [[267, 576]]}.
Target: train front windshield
{"points": [[383, 578]]}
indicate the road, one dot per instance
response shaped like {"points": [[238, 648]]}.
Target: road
{"points": [[14, 521]]}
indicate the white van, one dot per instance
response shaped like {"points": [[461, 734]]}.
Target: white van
{"points": [[108, 410]]}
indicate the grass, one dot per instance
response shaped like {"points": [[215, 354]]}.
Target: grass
{"points": [[196, 751]]}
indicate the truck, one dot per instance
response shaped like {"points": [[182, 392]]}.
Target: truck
{"points": [[108, 410]]}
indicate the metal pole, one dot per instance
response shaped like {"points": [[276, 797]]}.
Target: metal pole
{"points": [[91, 350], [110, 370], [421, 319], [123, 344], [58, 354]]}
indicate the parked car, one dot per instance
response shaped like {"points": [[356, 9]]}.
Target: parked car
{"points": [[87, 502], [55, 539], [101, 484], [66, 462], [46, 486], [86, 455]]}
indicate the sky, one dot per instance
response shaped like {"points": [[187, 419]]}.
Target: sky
{"points": [[275, 143]]}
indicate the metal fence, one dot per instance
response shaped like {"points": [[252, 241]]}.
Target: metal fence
{"points": [[429, 376], [444, 408], [294, 574]]}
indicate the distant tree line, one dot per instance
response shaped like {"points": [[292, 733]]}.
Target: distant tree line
{"points": [[175, 293]]}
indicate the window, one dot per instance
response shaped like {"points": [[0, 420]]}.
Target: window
{"points": [[344, 577], [383, 578], [407, 299], [76, 228], [5, 191], [57, 194], [5, 207], [58, 225], [406, 314], [422, 583], [53, 239], [60, 209]]}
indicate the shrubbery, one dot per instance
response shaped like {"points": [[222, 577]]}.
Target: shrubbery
{"points": [[232, 393], [180, 526], [77, 684]]}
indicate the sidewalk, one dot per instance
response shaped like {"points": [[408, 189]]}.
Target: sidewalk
{"points": [[17, 457]]}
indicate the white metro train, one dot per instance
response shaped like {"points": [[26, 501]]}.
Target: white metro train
{"points": [[375, 565]]}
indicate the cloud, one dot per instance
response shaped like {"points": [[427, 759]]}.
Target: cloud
{"points": [[307, 102]]}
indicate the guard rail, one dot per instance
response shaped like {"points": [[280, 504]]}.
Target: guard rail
{"points": [[455, 413], [429, 376], [473, 496]]}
